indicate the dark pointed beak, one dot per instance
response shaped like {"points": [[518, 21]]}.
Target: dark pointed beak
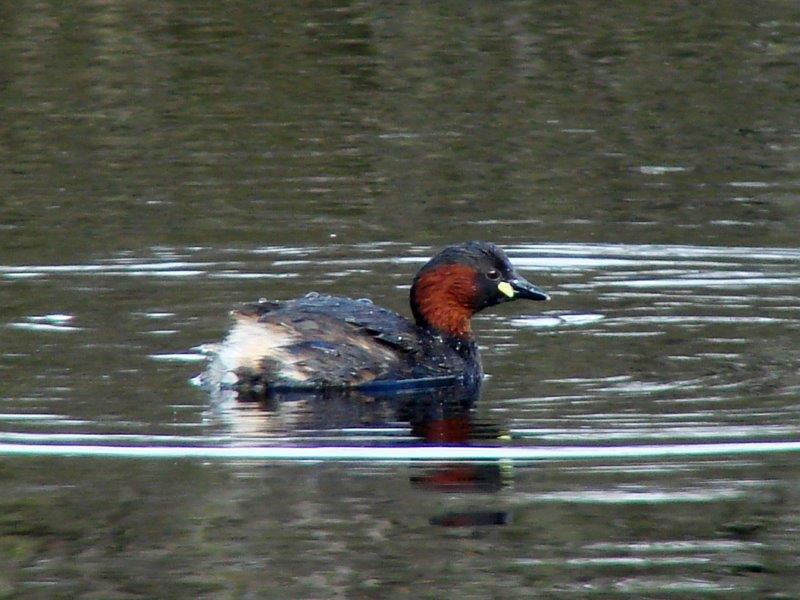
{"points": [[525, 289]]}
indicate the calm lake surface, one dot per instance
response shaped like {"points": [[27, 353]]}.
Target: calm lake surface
{"points": [[637, 437]]}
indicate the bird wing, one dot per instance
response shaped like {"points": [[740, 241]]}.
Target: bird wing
{"points": [[319, 341]]}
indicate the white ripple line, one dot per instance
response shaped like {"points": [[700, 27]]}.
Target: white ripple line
{"points": [[415, 453]]}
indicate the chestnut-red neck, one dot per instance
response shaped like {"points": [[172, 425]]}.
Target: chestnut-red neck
{"points": [[443, 298]]}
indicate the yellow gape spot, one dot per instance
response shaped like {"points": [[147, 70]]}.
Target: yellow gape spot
{"points": [[505, 288]]}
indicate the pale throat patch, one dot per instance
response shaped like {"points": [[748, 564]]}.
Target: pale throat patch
{"points": [[505, 288]]}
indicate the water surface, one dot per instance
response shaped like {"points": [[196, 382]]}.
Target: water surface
{"points": [[636, 437]]}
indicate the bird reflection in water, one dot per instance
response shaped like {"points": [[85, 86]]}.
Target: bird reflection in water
{"points": [[450, 420], [437, 417]]}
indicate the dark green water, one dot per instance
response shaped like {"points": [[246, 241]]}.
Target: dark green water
{"points": [[161, 161]]}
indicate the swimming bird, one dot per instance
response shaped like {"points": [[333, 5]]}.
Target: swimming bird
{"points": [[321, 342]]}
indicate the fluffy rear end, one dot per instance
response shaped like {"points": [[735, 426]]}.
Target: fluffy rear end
{"points": [[295, 348]]}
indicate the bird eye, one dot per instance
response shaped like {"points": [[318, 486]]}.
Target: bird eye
{"points": [[494, 274]]}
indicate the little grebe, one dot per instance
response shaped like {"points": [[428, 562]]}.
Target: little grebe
{"points": [[322, 342]]}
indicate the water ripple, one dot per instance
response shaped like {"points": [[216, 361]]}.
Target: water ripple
{"points": [[402, 454]]}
